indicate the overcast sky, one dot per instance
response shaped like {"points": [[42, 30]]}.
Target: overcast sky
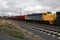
{"points": [[28, 6]]}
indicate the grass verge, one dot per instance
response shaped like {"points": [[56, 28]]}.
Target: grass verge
{"points": [[11, 30]]}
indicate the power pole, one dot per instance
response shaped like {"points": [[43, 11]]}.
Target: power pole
{"points": [[20, 11]]}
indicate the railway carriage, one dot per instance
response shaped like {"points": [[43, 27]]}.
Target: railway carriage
{"points": [[57, 16], [57, 21]]}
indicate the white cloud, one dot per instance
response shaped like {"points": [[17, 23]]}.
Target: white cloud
{"points": [[53, 4], [3, 4], [29, 6]]}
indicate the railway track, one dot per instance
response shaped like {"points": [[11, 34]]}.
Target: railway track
{"points": [[49, 31], [41, 28], [46, 25]]}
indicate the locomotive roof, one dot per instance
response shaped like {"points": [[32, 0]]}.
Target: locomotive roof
{"points": [[34, 14], [37, 14]]}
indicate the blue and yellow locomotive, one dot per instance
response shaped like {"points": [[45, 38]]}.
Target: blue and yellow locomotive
{"points": [[45, 16]]}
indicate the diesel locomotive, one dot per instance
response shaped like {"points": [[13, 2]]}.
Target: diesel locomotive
{"points": [[46, 16]]}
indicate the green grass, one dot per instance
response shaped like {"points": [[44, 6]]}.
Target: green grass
{"points": [[14, 32], [11, 30]]}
